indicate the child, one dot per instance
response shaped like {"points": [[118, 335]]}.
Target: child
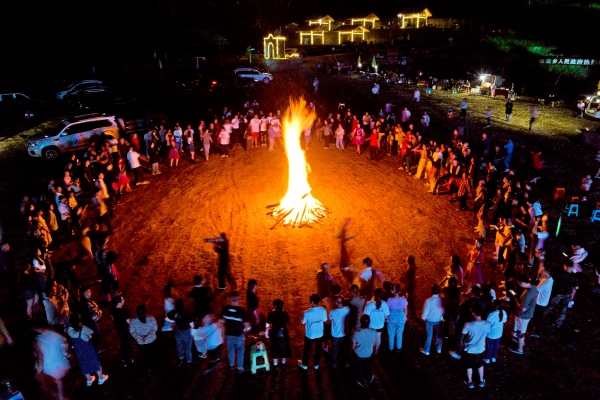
{"points": [[496, 318]]}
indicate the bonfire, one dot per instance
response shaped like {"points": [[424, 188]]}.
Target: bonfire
{"points": [[298, 207]]}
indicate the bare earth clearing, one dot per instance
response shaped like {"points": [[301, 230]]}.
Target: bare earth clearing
{"points": [[160, 235]]}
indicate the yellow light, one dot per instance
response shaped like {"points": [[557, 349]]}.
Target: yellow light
{"points": [[298, 207]]}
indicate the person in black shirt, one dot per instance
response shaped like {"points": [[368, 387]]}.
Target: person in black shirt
{"points": [[278, 334], [121, 317], [236, 323], [202, 296], [564, 281], [222, 248], [183, 335]]}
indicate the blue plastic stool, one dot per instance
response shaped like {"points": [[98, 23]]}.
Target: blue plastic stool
{"points": [[572, 209]]}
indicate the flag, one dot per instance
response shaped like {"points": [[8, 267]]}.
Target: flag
{"points": [[374, 63], [159, 64], [358, 62]]}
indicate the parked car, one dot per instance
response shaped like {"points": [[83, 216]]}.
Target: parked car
{"points": [[19, 106], [76, 87], [263, 77], [193, 81], [235, 82], [72, 134]]}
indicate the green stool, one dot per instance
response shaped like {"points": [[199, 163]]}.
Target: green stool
{"points": [[256, 351]]}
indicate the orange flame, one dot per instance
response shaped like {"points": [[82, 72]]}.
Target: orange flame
{"points": [[298, 207]]}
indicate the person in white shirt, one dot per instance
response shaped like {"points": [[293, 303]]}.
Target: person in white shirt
{"points": [[224, 141], [433, 312], [417, 96], [313, 320], [378, 311], [473, 343], [263, 131], [339, 341], [133, 157], [369, 279], [235, 128], [255, 128], [544, 288], [496, 318]]}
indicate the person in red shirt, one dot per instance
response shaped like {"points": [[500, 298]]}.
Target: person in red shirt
{"points": [[373, 140]]}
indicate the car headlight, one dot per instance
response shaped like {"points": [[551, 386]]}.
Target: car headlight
{"points": [[33, 144]]}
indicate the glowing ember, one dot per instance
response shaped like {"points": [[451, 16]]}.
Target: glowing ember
{"points": [[298, 207]]}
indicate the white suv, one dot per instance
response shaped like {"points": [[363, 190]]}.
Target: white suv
{"points": [[263, 77], [77, 86], [72, 134]]}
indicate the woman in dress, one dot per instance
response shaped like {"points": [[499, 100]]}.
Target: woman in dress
{"points": [[86, 353], [359, 139], [278, 334], [474, 272], [379, 312], [122, 181], [422, 150], [173, 153], [398, 306]]}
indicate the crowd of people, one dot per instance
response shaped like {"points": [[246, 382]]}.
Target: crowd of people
{"points": [[466, 312]]}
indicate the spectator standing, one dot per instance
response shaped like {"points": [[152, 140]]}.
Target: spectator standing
{"points": [[202, 296], [224, 138], [86, 353], [508, 108], [463, 109], [324, 281], [433, 312], [278, 333], [378, 312], [496, 318], [526, 305], [340, 346], [398, 306], [178, 135], [473, 341], [183, 337], [314, 319], [364, 344], [143, 329], [236, 323], [121, 318], [544, 288]]}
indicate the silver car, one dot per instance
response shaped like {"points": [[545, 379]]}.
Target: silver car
{"points": [[263, 77], [71, 135]]}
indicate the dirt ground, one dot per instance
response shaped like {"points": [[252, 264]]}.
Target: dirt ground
{"points": [[161, 227]]}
